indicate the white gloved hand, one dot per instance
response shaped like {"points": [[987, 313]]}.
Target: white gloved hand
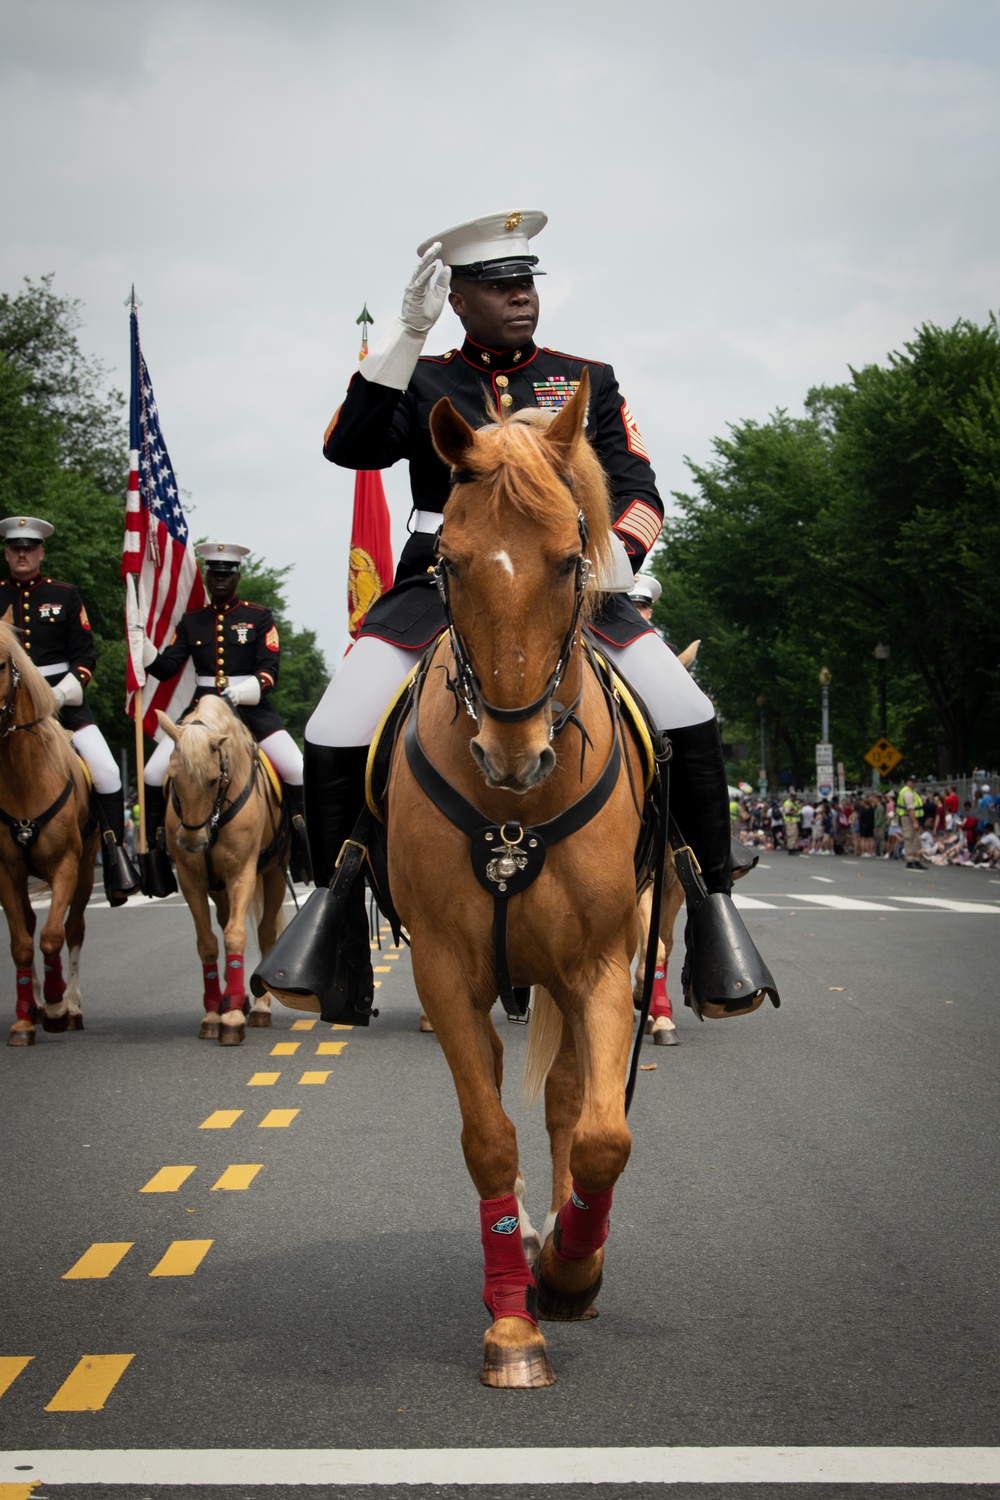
{"points": [[149, 651], [245, 694], [68, 689], [616, 576], [393, 359]]}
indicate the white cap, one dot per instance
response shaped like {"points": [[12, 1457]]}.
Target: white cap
{"points": [[494, 246], [222, 552], [25, 529], [645, 590]]}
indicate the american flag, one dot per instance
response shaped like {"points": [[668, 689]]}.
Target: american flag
{"points": [[156, 548]]}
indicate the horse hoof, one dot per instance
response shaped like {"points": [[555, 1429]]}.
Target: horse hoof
{"points": [[74, 1021], [55, 1023], [231, 1036], [556, 1306], [22, 1034], [665, 1038], [649, 1025], [209, 1029], [425, 1025], [260, 1018], [521, 1366]]}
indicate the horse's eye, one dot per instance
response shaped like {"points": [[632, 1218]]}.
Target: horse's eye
{"points": [[449, 567], [568, 566]]}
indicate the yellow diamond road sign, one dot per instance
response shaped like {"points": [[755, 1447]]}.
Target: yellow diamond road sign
{"points": [[883, 755]]}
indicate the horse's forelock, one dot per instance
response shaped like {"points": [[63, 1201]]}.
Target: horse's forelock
{"points": [[211, 718], [515, 467]]}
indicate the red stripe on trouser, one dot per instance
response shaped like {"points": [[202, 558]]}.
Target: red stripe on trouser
{"points": [[235, 990], [212, 988], [509, 1287], [27, 1010], [660, 1003], [582, 1223], [53, 983]]}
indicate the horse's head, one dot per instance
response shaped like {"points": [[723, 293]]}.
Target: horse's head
{"points": [[526, 519], [198, 771]]}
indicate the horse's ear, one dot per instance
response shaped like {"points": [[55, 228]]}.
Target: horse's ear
{"points": [[8, 616], [218, 740], [451, 434], [564, 431], [168, 726]]}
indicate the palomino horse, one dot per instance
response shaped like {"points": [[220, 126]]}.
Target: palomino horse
{"points": [[46, 830], [226, 835], [550, 786]]}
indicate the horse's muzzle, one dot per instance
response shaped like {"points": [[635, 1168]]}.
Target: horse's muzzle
{"points": [[517, 773], [193, 843]]}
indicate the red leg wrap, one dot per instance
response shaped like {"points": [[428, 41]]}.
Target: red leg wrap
{"points": [[53, 983], [660, 1003], [27, 1010], [582, 1223], [235, 996], [509, 1289], [213, 991]]}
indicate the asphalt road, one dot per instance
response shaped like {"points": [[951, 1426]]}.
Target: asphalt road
{"points": [[803, 1251]]}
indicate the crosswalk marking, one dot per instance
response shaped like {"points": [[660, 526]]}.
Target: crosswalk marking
{"points": [[11, 1366], [330, 1049], [314, 1078], [182, 1258], [221, 1119], [333, 1468], [943, 904], [236, 1179], [99, 1261], [90, 1382], [844, 903], [168, 1180], [262, 1080], [277, 1119], [789, 901]]}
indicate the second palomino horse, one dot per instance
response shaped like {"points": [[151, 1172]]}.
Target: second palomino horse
{"points": [[544, 894], [227, 837]]}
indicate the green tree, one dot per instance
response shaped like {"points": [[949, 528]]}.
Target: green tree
{"points": [[303, 675]]}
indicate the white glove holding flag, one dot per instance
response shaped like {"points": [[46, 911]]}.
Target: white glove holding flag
{"points": [[244, 694], [140, 647], [394, 358], [68, 689]]}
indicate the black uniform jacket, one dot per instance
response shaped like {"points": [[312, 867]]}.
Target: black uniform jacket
{"points": [[376, 426], [54, 628], [237, 639]]}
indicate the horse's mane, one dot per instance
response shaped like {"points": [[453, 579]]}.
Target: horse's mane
{"points": [[39, 698], [516, 469], [209, 718]]}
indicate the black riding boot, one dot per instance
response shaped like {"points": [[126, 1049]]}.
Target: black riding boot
{"points": [[120, 875], [723, 972], [322, 960], [157, 871], [299, 864]]}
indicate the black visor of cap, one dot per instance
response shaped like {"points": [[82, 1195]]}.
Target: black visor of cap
{"points": [[510, 269], [23, 543], [222, 567]]}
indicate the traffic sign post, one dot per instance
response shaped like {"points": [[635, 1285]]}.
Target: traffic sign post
{"points": [[883, 756], [824, 769]]}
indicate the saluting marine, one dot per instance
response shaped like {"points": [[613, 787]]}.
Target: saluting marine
{"points": [[235, 648], [52, 622], [486, 271]]}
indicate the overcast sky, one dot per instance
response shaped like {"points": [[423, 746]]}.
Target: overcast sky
{"points": [[744, 197]]}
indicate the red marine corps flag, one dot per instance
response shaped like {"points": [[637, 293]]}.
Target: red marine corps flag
{"points": [[370, 571]]}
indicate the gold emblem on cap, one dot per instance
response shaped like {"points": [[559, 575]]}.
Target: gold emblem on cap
{"points": [[220, 547], [513, 220], [21, 522]]}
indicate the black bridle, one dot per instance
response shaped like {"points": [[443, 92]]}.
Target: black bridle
{"points": [[466, 685], [222, 810], [9, 707]]}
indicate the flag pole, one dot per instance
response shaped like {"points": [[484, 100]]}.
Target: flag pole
{"points": [[140, 752]]}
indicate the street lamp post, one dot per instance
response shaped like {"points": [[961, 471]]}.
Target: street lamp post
{"points": [[762, 785], [881, 654], [824, 678]]}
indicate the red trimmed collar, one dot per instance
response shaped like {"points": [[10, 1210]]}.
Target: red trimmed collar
{"points": [[497, 361]]}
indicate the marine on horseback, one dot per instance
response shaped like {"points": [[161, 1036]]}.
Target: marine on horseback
{"points": [[52, 624], [236, 651], [486, 270]]}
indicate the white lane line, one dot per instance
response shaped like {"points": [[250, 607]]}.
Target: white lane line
{"points": [[750, 903], [943, 904], [845, 903], [826, 879], [519, 1466]]}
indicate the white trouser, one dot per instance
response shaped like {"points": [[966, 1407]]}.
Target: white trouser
{"points": [[279, 747], [92, 748], [350, 709]]}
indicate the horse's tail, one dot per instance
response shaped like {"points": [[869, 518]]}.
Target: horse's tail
{"points": [[544, 1037]]}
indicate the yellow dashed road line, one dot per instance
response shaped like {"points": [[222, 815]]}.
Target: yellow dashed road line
{"points": [[276, 1119], [314, 1078], [89, 1385], [235, 1179], [168, 1180], [330, 1049], [285, 1049], [262, 1080], [11, 1366], [182, 1258], [99, 1261], [221, 1119]]}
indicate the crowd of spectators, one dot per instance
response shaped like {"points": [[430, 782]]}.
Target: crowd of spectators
{"points": [[867, 825]]}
